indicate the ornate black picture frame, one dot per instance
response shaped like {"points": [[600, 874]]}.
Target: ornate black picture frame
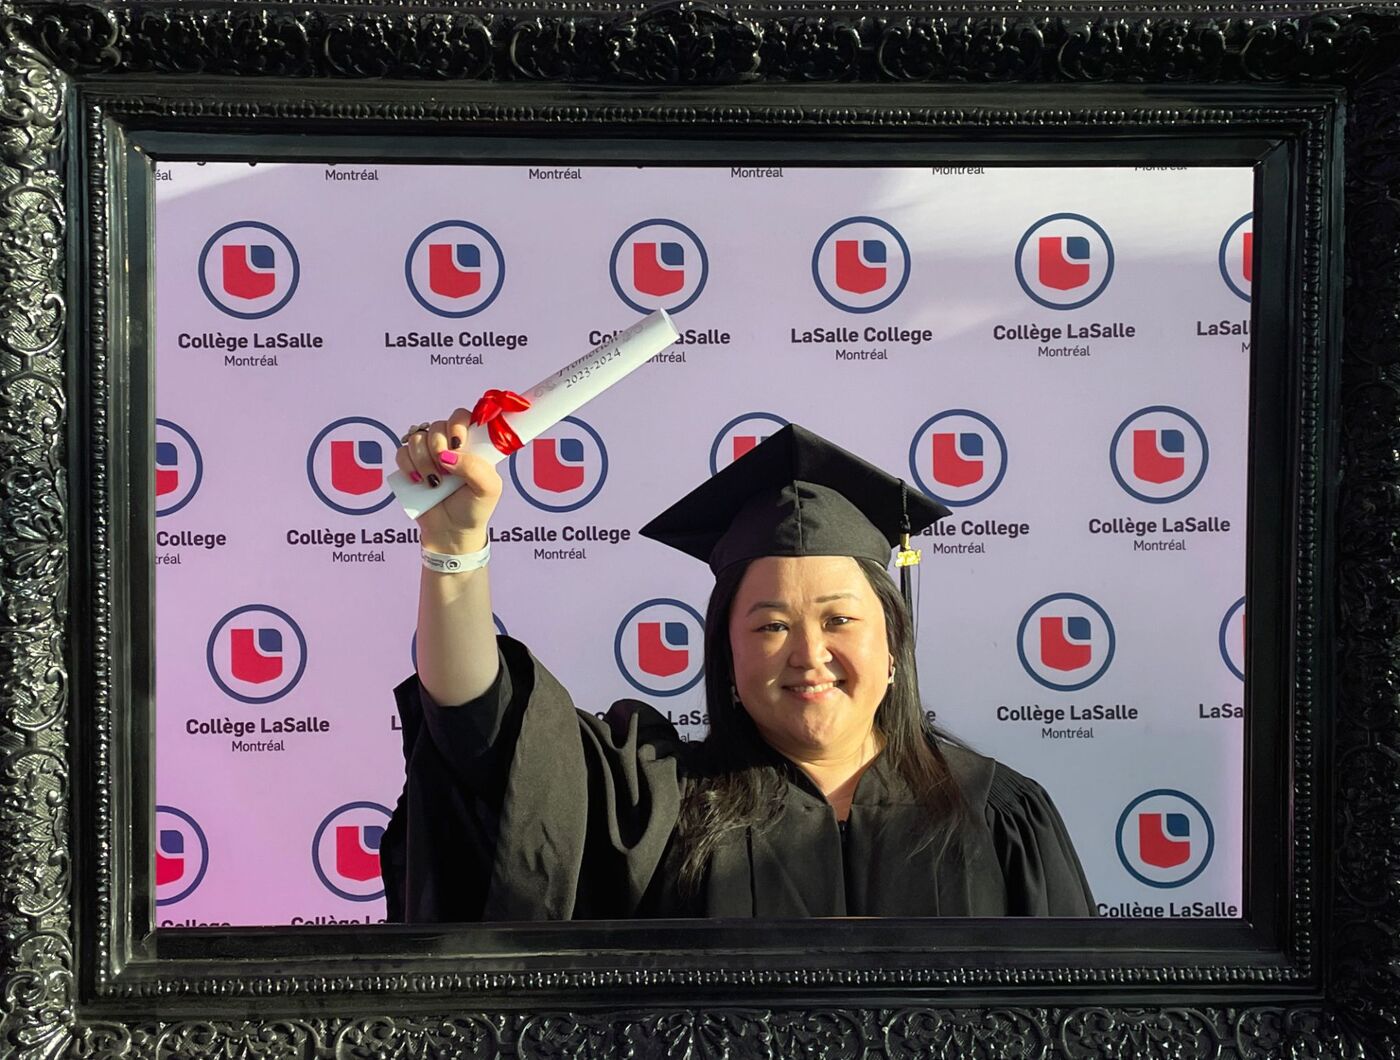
{"points": [[88, 91]]}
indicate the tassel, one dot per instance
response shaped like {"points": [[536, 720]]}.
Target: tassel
{"points": [[906, 557]]}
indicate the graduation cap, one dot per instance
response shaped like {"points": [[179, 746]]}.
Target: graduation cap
{"points": [[797, 494]]}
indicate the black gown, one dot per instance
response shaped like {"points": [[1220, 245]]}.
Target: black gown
{"points": [[516, 806]]}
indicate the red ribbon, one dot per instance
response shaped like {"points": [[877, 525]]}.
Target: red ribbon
{"points": [[491, 410]]}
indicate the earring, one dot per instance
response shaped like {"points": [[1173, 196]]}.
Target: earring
{"points": [[734, 695], [891, 680]]}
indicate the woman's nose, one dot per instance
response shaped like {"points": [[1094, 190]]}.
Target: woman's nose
{"points": [[807, 648]]}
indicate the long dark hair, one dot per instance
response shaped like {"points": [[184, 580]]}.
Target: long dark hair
{"points": [[738, 787]]}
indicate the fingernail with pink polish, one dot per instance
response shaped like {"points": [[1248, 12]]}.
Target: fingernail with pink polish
{"points": [[415, 477], [447, 458]]}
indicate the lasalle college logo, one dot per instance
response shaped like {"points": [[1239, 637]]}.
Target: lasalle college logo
{"points": [[1165, 838], [249, 270], [348, 465], [740, 435], [454, 268], [563, 469], [1159, 454], [345, 850], [658, 264], [958, 457], [1064, 261], [1237, 257], [1065, 642], [659, 647], [861, 264], [182, 855], [179, 468], [256, 653]]}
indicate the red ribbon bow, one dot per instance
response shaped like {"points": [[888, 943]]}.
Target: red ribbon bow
{"points": [[491, 410]]}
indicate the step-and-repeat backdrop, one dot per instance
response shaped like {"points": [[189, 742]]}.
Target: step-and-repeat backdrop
{"points": [[1059, 354]]}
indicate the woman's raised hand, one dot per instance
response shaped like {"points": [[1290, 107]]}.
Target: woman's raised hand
{"points": [[438, 451]]}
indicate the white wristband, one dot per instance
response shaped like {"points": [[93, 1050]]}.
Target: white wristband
{"points": [[449, 564]]}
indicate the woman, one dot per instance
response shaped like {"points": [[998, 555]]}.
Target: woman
{"points": [[820, 790]]}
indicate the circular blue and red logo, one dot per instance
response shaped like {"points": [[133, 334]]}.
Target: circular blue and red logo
{"points": [[1065, 642], [249, 270], [1237, 257], [562, 469], [861, 264], [348, 465], [660, 647], [658, 264], [1165, 838], [1232, 638], [740, 435], [454, 268], [345, 850], [179, 467], [1159, 454], [256, 653], [1064, 261], [958, 457], [182, 855]]}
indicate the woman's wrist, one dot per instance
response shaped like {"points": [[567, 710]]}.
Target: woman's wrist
{"points": [[455, 544], [456, 562]]}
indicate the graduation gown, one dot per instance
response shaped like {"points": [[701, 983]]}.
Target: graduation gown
{"points": [[516, 806]]}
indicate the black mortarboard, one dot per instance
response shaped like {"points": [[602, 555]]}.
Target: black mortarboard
{"points": [[794, 494]]}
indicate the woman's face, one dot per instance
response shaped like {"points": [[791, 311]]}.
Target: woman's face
{"points": [[811, 657]]}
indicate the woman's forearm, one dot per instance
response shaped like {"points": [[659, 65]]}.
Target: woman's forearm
{"points": [[456, 643]]}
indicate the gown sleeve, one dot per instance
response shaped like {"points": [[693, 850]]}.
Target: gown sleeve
{"points": [[516, 806], [1042, 872]]}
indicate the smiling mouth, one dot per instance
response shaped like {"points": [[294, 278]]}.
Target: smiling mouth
{"points": [[813, 690]]}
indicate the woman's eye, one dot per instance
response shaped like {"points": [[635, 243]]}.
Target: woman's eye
{"points": [[772, 627], [838, 620]]}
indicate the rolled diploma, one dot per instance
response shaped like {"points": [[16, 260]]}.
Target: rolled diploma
{"points": [[551, 400]]}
